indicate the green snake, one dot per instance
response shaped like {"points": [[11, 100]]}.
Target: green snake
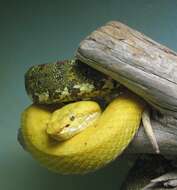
{"points": [[78, 137]]}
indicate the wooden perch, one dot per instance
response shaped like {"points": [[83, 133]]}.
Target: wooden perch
{"points": [[141, 64], [165, 130], [144, 66]]}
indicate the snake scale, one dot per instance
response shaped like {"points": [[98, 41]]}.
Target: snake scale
{"points": [[77, 137]]}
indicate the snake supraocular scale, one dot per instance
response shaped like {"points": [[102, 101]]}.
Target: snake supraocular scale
{"points": [[105, 136]]}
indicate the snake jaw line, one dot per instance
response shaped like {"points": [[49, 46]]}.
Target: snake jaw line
{"points": [[69, 131], [149, 131]]}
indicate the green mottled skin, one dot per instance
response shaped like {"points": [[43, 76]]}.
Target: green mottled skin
{"points": [[70, 80]]}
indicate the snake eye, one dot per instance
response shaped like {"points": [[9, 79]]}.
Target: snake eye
{"points": [[72, 118]]}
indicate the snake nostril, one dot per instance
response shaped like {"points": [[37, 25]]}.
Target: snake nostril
{"points": [[67, 125]]}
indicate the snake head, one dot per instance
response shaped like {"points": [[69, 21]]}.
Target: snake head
{"points": [[72, 119]]}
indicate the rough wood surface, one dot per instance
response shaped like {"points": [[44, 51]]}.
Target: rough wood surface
{"points": [[141, 64], [145, 67], [165, 129]]}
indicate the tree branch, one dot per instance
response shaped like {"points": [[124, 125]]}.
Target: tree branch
{"points": [[165, 133], [144, 66]]}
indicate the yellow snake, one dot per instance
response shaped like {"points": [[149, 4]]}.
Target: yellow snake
{"points": [[78, 138]]}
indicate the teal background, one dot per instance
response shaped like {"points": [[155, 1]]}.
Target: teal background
{"points": [[33, 32]]}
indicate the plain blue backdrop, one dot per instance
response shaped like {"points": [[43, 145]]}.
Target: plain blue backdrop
{"points": [[34, 32]]}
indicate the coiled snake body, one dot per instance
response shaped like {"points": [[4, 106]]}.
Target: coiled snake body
{"points": [[78, 138]]}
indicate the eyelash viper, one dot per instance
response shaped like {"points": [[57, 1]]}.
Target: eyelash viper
{"points": [[77, 138]]}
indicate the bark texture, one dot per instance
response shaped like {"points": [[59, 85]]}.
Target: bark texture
{"points": [[165, 129], [144, 66]]}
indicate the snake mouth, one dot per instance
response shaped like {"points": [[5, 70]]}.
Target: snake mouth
{"points": [[73, 127]]}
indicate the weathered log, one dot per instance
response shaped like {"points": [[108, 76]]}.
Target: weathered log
{"points": [[165, 129], [147, 68], [144, 66], [145, 174]]}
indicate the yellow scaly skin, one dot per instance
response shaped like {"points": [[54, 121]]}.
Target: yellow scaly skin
{"points": [[91, 149]]}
